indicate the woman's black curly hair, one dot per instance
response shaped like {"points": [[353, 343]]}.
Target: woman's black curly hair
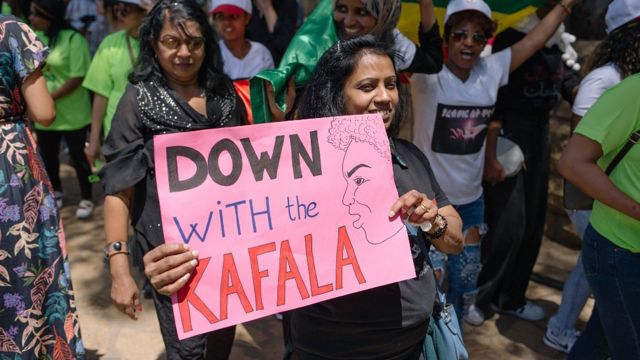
{"points": [[621, 47], [211, 76], [324, 95]]}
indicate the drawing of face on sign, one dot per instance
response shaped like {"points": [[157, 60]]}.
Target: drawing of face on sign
{"points": [[365, 157]]}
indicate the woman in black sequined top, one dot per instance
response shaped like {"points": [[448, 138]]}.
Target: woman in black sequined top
{"points": [[178, 86]]}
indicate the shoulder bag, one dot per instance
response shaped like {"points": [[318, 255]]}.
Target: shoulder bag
{"points": [[444, 336]]}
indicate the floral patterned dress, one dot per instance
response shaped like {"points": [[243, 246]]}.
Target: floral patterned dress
{"points": [[38, 317]]}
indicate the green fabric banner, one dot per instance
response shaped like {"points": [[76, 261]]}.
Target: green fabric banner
{"points": [[316, 36]]}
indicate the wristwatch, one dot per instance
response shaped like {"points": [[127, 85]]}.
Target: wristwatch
{"points": [[118, 247], [439, 227]]}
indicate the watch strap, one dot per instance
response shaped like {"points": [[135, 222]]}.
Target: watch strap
{"points": [[117, 247]]}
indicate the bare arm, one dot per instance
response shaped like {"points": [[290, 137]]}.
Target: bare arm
{"points": [[124, 291], [578, 165], [97, 116], [39, 103], [270, 15], [536, 38], [427, 14], [67, 87], [493, 171]]}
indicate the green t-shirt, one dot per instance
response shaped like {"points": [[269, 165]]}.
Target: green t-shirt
{"points": [[109, 71], [69, 58], [610, 122]]}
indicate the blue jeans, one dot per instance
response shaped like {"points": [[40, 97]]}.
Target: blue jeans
{"points": [[576, 290], [463, 269], [614, 277]]}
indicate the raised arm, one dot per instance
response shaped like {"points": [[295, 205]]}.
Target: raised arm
{"points": [[535, 40], [428, 56]]}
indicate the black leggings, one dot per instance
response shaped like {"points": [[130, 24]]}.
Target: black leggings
{"points": [[49, 145]]}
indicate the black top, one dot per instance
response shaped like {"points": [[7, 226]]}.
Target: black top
{"points": [[140, 115], [429, 55], [388, 322], [536, 86], [278, 40]]}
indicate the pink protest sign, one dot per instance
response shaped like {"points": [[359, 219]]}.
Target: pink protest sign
{"points": [[284, 215]]}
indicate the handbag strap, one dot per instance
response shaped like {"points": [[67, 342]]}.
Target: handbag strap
{"points": [[633, 139], [421, 241]]}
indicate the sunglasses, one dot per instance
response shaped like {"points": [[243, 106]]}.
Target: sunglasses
{"points": [[173, 43], [461, 35]]}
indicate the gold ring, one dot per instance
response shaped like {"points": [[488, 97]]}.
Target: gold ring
{"points": [[426, 209]]}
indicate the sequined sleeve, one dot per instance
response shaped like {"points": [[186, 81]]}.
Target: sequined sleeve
{"points": [[128, 157]]}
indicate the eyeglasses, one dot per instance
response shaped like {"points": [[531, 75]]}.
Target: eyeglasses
{"points": [[173, 43], [461, 35]]}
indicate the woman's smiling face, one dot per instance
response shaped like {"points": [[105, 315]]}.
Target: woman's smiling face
{"points": [[352, 19], [372, 88]]}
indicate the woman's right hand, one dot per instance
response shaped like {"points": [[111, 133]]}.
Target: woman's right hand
{"points": [[125, 295], [169, 267]]}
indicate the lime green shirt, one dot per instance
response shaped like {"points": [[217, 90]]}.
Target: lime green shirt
{"points": [[610, 122], [69, 58], [109, 71]]}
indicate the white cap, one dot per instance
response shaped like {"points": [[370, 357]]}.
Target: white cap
{"points": [[456, 6], [621, 12], [230, 6]]}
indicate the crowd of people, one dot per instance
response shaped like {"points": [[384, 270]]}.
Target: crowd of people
{"points": [[100, 78]]}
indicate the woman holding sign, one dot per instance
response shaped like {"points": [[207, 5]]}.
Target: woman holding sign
{"points": [[388, 322], [178, 86]]}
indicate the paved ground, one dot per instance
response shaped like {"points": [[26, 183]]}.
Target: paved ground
{"points": [[110, 335]]}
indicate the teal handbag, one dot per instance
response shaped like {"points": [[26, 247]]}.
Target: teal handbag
{"points": [[450, 335], [444, 336]]}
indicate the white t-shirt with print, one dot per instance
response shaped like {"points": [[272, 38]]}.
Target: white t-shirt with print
{"points": [[257, 59], [593, 85], [451, 121]]}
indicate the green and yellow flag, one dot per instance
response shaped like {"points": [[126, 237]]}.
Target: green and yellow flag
{"points": [[318, 34], [505, 12]]}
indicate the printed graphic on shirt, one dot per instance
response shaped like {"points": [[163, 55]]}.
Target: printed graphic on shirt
{"points": [[460, 130]]}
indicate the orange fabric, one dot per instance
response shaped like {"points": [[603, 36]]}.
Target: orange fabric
{"points": [[242, 88]]}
